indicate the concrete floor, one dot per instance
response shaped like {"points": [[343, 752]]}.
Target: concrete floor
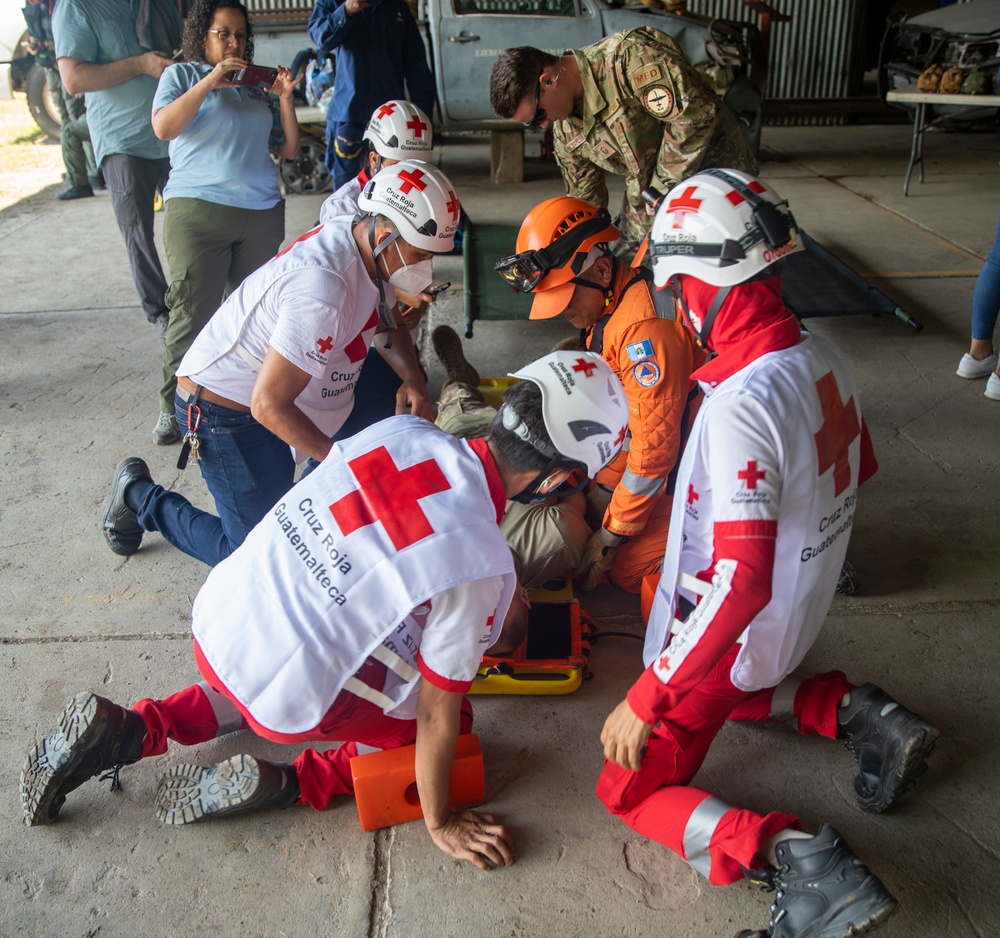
{"points": [[78, 392]]}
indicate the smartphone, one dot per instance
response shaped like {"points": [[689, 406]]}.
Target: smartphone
{"points": [[253, 76], [439, 289]]}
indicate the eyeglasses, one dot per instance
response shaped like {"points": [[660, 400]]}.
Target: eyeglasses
{"points": [[536, 121], [225, 35]]}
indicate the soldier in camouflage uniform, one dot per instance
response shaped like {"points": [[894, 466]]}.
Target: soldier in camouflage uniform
{"points": [[630, 104]]}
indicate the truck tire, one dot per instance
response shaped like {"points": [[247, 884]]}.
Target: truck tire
{"points": [[307, 172], [43, 108]]}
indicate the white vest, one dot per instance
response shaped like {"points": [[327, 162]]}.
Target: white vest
{"points": [[789, 413], [292, 614]]}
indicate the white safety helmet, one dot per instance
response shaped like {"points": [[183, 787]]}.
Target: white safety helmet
{"points": [[399, 130], [721, 226], [419, 199], [583, 406]]}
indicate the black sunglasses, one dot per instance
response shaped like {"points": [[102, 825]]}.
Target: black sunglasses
{"points": [[536, 121]]}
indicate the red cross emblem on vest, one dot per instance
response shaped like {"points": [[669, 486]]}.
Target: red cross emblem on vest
{"points": [[417, 126], [585, 366], [693, 496], [452, 204], [840, 427], [325, 344], [357, 348], [735, 197], [390, 496], [751, 475], [412, 179], [664, 663], [386, 109], [682, 205]]}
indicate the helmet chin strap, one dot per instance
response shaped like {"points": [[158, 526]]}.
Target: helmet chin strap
{"points": [[385, 317], [708, 320]]}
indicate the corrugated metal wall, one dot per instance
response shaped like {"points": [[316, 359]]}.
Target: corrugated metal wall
{"points": [[814, 55]]}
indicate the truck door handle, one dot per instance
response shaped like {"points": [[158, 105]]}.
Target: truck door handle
{"points": [[463, 36]]}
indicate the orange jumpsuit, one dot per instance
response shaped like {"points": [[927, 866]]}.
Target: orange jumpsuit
{"points": [[654, 358]]}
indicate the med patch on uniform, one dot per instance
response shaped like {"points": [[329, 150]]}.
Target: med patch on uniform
{"points": [[639, 350]]}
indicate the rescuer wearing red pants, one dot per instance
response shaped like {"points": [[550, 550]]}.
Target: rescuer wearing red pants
{"points": [[359, 609], [766, 493]]}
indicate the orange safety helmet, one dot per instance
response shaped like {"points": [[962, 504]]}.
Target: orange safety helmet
{"points": [[552, 248]]}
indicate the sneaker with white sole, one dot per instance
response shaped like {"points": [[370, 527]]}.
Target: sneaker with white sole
{"points": [[166, 430], [970, 367], [993, 388]]}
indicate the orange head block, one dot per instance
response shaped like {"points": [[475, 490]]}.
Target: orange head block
{"points": [[385, 783]]}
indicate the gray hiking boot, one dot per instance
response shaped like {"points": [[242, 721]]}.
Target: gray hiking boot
{"points": [[160, 322], [95, 735], [448, 348], [891, 744], [823, 891], [189, 793], [166, 430]]}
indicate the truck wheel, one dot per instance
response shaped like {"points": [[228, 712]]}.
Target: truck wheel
{"points": [[44, 108], [307, 172]]}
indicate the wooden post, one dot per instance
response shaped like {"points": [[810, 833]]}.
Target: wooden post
{"points": [[507, 156]]}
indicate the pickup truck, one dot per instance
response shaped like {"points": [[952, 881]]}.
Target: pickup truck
{"points": [[463, 37]]}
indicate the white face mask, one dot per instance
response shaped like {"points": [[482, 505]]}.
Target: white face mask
{"points": [[411, 278]]}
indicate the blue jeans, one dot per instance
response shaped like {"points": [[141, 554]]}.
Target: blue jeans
{"points": [[986, 296], [246, 468], [345, 151]]}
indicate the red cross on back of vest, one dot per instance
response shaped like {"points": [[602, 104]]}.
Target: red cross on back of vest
{"points": [[839, 430], [390, 496]]}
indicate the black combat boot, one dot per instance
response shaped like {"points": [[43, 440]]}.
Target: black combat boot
{"points": [[890, 743], [189, 793], [822, 891], [94, 736]]}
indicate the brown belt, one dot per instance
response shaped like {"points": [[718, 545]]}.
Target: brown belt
{"points": [[186, 388]]}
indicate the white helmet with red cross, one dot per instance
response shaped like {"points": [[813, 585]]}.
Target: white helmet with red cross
{"points": [[583, 405], [721, 226], [399, 130], [419, 199]]}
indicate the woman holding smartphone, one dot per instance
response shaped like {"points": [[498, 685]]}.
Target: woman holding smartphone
{"points": [[224, 215]]}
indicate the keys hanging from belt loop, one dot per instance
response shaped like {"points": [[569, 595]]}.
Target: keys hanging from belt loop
{"points": [[191, 444]]}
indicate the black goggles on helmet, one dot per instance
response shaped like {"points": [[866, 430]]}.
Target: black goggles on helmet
{"points": [[526, 270]]}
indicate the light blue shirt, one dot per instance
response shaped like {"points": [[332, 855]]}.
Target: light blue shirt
{"points": [[99, 32], [222, 155]]}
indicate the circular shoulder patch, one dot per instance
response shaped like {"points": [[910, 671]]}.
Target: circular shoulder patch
{"points": [[647, 373], [659, 101]]}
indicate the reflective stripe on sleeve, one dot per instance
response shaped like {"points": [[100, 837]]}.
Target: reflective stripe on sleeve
{"points": [[641, 485], [698, 833], [226, 715]]}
